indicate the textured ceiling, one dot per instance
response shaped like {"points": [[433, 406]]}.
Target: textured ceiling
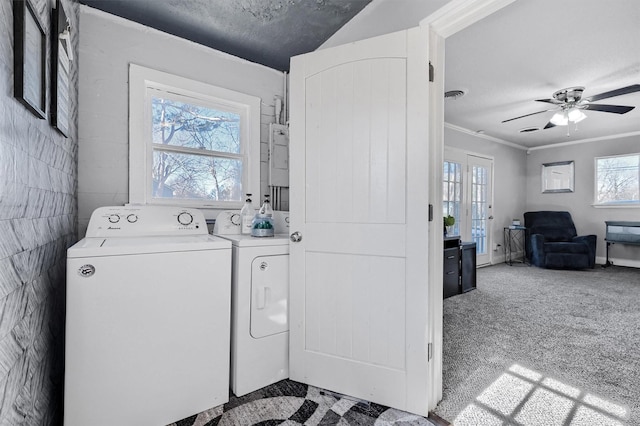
{"points": [[268, 32], [532, 48], [525, 51]]}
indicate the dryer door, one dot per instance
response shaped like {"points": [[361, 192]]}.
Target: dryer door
{"points": [[269, 295]]}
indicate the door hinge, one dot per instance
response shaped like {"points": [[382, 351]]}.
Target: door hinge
{"points": [[432, 72], [429, 351], [430, 212]]}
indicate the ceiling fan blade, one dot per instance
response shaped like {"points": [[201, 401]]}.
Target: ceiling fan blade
{"points": [[549, 125], [618, 92], [527, 115], [617, 109], [549, 101]]}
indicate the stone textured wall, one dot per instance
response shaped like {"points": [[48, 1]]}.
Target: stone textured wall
{"points": [[38, 215]]}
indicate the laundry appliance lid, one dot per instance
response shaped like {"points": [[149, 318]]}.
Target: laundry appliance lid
{"points": [[95, 246], [245, 240]]}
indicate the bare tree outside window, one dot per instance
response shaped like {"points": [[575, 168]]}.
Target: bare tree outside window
{"points": [[196, 152], [618, 180], [452, 192]]}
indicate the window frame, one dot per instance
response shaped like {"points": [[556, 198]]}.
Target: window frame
{"points": [[619, 204], [146, 83]]}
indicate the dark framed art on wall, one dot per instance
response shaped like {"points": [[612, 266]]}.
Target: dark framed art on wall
{"points": [[29, 58], [61, 57]]}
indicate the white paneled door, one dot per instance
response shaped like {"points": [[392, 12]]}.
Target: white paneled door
{"points": [[359, 179]]}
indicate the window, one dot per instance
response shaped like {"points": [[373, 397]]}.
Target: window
{"points": [[190, 143], [618, 180]]}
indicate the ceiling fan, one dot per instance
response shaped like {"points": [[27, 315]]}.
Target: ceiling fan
{"points": [[569, 104]]}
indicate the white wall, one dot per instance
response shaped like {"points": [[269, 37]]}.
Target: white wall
{"points": [[383, 17], [509, 180], [107, 45], [588, 219]]}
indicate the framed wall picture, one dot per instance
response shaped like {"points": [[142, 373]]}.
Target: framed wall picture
{"points": [[61, 57], [29, 45], [557, 177]]}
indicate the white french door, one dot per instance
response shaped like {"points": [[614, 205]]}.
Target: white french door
{"points": [[468, 195], [359, 202]]}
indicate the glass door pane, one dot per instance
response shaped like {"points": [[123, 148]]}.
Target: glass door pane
{"points": [[479, 208], [452, 192], [480, 201]]}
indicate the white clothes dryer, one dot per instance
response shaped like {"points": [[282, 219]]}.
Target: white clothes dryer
{"points": [[148, 318], [259, 303]]}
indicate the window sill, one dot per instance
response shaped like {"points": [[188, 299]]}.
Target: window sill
{"points": [[617, 206]]}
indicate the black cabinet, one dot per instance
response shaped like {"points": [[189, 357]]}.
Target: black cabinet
{"points": [[459, 267], [467, 266], [451, 267], [451, 272]]}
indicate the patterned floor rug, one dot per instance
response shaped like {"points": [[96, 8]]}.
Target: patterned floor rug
{"points": [[290, 403]]}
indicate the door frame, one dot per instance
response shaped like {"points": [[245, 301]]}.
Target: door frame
{"points": [[446, 21]]}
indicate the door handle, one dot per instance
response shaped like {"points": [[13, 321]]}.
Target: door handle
{"points": [[262, 296], [490, 218], [296, 237]]}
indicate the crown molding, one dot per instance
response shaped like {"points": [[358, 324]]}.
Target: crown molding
{"points": [[483, 136], [537, 148], [581, 141]]}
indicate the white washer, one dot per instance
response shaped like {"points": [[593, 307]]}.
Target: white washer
{"points": [[259, 303], [148, 313]]}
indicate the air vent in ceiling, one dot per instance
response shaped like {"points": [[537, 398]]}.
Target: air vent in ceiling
{"points": [[454, 94]]}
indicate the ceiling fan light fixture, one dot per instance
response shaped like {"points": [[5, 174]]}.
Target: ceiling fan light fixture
{"points": [[576, 116], [564, 117], [560, 119]]}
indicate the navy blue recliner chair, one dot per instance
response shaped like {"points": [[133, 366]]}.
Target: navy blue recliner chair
{"points": [[553, 242]]}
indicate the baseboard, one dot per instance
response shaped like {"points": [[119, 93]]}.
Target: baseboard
{"points": [[631, 263], [501, 258], [600, 260]]}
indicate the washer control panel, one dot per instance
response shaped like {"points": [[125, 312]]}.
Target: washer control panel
{"points": [[131, 221]]}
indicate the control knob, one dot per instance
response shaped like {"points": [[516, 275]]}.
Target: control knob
{"points": [[185, 218], [114, 218], [132, 218]]}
